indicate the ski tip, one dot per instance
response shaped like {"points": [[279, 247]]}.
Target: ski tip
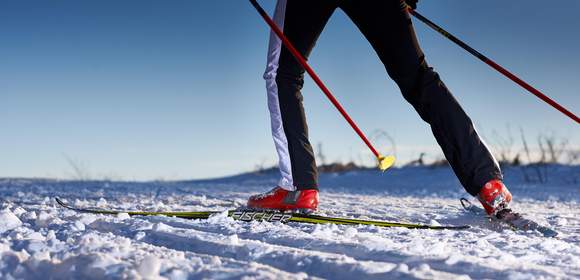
{"points": [[59, 201], [62, 203]]}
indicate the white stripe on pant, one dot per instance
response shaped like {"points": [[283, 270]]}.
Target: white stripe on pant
{"points": [[280, 141]]}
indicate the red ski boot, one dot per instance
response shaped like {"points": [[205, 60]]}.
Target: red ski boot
{"points": [[281, 199], [494, 196]]}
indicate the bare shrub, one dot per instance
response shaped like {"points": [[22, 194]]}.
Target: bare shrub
{"points": [[439, 162], [573, 156], [321, 158], [555, 147], [79, 169], [338, 167], [503, 144], [263, 167], [534, 171], [417, 162]]}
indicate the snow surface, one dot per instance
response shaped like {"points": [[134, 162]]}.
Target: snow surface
{"points": [[39, 240]]}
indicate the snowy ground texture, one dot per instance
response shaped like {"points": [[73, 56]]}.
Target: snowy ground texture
{"points": [[39, 240]]}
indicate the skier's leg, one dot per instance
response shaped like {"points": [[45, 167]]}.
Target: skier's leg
{"points": [[280, 140], [302, 22], [389, 30]]}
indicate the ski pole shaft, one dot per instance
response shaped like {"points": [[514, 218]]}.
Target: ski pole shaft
{"points": [[494, 65], [313, 75]]}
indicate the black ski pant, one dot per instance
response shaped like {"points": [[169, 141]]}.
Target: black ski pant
{"points": [[389, 30]]}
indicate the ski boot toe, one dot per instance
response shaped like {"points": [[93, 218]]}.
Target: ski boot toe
{"points": [[494, 196], [302, 201]]}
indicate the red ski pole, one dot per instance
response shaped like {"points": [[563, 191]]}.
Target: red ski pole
{"points": [[384, 162], [494, 65]]}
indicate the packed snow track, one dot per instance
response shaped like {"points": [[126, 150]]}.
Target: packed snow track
{"points": [[40, 240]]}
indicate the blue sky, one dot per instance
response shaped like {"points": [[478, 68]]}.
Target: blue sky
{"points": [[173, 89]]}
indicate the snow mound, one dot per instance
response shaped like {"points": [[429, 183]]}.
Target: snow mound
{"points": [[8, 221], [149, 268]]}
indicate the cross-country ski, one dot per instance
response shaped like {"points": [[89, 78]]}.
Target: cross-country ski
{"points": [[250, 215]]}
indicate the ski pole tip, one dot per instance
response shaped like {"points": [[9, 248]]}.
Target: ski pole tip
{"points": [[385, 162]]}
